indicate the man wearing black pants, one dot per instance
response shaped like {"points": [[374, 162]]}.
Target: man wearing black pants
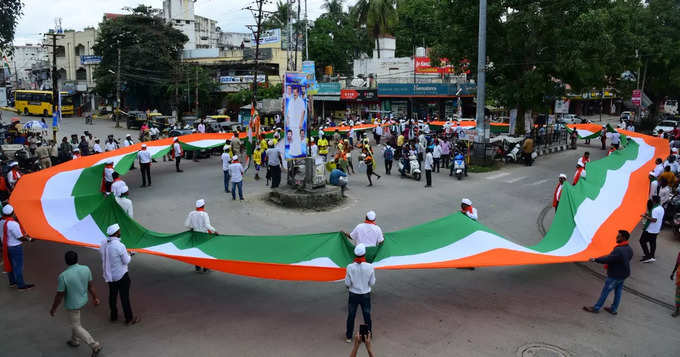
{"points": [[359, 278], [145, 165], [115, 260], [177, 152], [274, 159], [652, 229]]}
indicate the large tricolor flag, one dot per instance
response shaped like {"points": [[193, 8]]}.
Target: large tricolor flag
{"points": [[64, 204]]}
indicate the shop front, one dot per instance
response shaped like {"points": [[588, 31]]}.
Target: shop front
{"points": [[327, 102], [361, 103], [426, 101]]}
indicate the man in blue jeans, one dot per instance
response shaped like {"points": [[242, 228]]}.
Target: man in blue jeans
{"points": [[617, 264], [236, 173], [226, 160], [359, 278], [12, 237]]}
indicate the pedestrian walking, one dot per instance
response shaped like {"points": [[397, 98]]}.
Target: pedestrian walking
{"points": [[13, 237], [107, 176], [368, 160], [274, 160], [389, 158], [603, 138], [43, 154], [436, 155], [558, 191], [676, 273], [236, 174], [127, 142], [73, 286], [115, 260], [428, 167], [652, 228], [617, 264], [118, 185], [124, 202], [359, 278], [177, 154], [446, 153], [226, 160], [145, 165]]}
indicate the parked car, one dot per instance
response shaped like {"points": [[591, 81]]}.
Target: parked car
{"points": [[134, 118], [571, 119], [666, 126], [626, 116]]}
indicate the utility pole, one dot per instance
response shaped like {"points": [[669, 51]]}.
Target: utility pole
{"points": [[196, 96], [306, 34], [55, 84], [481, 76], [297, 34], [118, 88], [257, 33]]}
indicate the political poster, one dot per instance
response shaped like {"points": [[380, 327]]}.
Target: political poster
{"points": [[310, 68], [295, 114]]}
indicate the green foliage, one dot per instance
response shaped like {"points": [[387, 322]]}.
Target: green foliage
{"points": [[377, 16], [416, 25], [10, 12], [150, 52], [207, 86], [245, 96], [335, 40]]}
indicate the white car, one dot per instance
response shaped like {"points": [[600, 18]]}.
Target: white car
{"points": [[571, 119], [666, 126]]}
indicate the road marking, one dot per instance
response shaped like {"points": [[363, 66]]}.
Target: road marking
{"points": [[538, 182], [493, 177], [516, 179]]}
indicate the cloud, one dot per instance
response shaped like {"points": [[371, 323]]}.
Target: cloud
{"points": [[39, 15]]}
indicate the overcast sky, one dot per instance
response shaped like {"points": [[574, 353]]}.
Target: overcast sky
{"points": [[39, 15]]}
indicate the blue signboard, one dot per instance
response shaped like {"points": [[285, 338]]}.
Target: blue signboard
{"points": [[90, 59], [424, 89], [329, 88]]}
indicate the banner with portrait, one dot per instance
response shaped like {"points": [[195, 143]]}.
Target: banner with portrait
{"points": [[295, 114]]}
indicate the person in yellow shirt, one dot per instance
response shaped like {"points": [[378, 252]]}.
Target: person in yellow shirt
{"points": [[257, 158], [263, 144], [323, 148]]}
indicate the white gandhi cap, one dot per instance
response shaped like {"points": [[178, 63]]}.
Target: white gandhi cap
{"points": [[370, 215], [7, 210], [563, 176], [112, 229], [466, 201], [200, 203], [143, 145], [360, 250]]}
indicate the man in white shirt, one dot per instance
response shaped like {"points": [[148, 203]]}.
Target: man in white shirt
{"points": [[429, 162], [13, 175], [274, 159], [467, 209], [96, 148], [437, 155], [658, 169], [144, 157], [127, 142], [236, 174], [359, 278], [201, 127], [124, 202], [115, 260], [107, 179], [199, 221], [177, 153], [653, 185], [12, 249], [367, 233], [118, 185], [615, 139], [226, 160], [651, 230], [111, 144]]}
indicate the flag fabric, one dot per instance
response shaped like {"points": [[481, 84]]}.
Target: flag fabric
{"points": [[63, 204]]}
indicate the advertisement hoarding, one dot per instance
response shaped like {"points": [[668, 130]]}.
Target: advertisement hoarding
{"points": [[266, 37], [295, 115], [309, 68]]}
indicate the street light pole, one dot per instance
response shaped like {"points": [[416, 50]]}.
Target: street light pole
{"points": [[118, 88], [481, 74]]}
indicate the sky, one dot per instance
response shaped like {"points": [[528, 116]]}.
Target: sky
{"points": [[39, 15]]}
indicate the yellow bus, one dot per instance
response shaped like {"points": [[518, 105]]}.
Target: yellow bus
{"points": [[39, 102]]}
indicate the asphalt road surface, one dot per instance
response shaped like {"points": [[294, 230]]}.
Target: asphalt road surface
{"points": [[495, 311]]}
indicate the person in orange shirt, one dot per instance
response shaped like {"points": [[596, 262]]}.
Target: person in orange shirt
{"points": [[669, 176]]}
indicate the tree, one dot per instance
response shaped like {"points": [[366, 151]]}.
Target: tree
{"points": [[10, 12], [378, 16], [207, 87], [150, 53], [335, 40], [416, 25], [279, 18]]}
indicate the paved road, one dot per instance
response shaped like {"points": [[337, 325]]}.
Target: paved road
{"points": [[488, 312]]}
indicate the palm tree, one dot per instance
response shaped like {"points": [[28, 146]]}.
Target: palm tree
{"points": [[333, 7], [378, 16], [279, 18]]}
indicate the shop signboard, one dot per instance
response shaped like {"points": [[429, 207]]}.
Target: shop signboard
{"points": [[90, 59], [359, 95], [424, 90], [637, 97], [329, 88], [424, 65], [271, 36]]}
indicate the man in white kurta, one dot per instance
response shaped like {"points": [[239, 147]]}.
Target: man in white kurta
{"points": [[124, 202], [367, 233], [296, 115], [199, 221]]}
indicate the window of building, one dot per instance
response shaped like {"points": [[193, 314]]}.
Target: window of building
{"points": [[80, 50], [59, 51], [81, 74], [188, 22]]}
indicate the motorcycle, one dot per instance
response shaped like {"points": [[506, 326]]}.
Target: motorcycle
{"points": [[514, 155], [459, 167], [413, 170], [26, 162], [671, 210]]}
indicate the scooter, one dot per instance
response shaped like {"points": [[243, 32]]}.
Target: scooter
{"points": [[513, 155], [414, 168], [459, 166]]}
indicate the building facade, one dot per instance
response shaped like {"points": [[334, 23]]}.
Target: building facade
{"points": [[21, 63]]}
